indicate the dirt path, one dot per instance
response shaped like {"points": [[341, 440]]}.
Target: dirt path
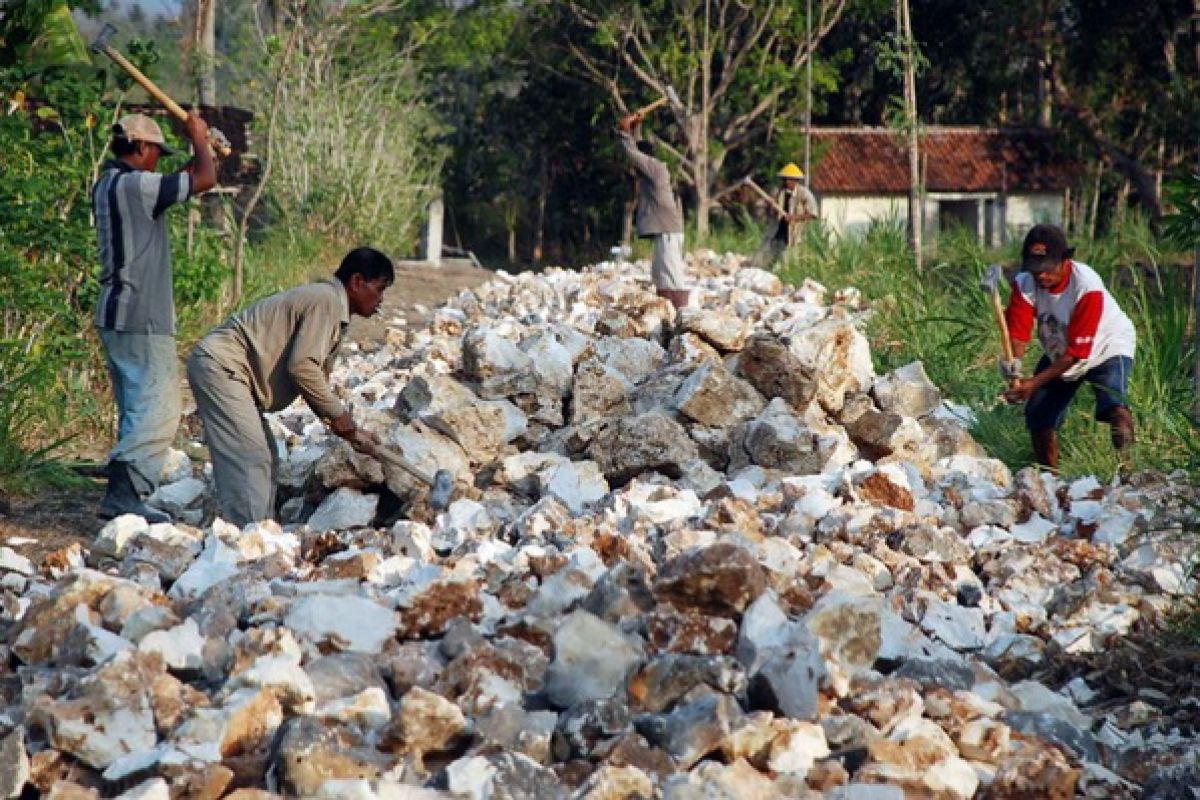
{"points": [[55, 518]]}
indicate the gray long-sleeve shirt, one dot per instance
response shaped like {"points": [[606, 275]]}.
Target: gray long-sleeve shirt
{"points": [[657, 209], [283, 347]]}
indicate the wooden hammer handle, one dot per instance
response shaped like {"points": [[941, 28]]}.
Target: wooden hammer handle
{"points": [[770, 200], [147, 84], [157, 93]]}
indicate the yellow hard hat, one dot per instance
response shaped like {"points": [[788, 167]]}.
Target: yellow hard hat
{"points": [[791, 171]]}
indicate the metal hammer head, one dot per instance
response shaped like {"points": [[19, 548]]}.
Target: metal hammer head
{"points": [[104, 37], [992, 278]]}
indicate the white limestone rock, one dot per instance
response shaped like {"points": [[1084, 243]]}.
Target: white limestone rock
{"points": [[343, 622], [345, 509]]}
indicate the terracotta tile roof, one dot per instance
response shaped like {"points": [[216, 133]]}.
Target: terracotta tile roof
{"points": [[875, 161]]}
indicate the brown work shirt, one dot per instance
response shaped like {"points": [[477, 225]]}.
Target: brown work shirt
{"points": [[283, 347], [657, 209]]}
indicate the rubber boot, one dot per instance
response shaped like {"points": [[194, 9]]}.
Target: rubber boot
{"points": [[122, 497], [1045, 447], [1121, 419]]}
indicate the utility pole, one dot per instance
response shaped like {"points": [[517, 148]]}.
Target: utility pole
{"points": [[808, 93], [916, 217]]}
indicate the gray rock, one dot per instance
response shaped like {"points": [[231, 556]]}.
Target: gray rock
{"points": [[669, 677], [583, 726], [339, 675], [714, 396], [777, 439], [600, 391], [692, 730], [14, 764], [907, 391], [621, 592], [774, 371], [1055, 730], [312, 751], [343, 510], [504, 776], [1176, 782], [592, 659], [631, 446], [952, 675], [496, 365]]}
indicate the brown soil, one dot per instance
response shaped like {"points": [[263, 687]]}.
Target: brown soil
{"points": [[57, 518]]}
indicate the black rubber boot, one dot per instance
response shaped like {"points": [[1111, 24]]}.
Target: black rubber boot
{"points": [[122, 497]]}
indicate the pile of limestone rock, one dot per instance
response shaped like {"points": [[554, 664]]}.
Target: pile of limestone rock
{"points": [[707, 557]]}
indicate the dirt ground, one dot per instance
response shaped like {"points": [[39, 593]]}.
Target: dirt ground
{"points": [[56, 518]]}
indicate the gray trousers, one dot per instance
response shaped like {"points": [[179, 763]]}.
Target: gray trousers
{"points": [[667, 265], [239, 441], [145, 381]]}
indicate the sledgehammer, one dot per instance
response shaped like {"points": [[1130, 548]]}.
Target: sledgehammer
{"points": [[991, 284], [216, 139], [440, 483]]}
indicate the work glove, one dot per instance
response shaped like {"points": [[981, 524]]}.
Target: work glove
{"points": [[1010, 370]]}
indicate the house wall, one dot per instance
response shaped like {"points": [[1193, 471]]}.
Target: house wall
{"points": [[854, 214]]}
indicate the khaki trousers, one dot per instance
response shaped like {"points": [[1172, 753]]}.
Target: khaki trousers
{"points": [[239, 441]]}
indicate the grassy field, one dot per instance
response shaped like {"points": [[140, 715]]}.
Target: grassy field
{"points": [[941, 316]]}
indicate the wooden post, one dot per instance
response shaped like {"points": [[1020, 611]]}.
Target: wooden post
{"points": [[433, 232]]}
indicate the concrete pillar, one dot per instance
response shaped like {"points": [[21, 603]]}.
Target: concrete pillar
{"points": [[433, 233]]}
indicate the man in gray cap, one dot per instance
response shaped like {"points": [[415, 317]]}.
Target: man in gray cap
{"points": [[135, 315], [1085, 337]]}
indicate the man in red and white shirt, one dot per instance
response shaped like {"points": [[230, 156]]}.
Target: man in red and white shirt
{"points": [[1085, 336]]}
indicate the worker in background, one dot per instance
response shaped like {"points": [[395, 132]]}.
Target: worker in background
{"points": [[1085, 338], [799, 206], [659, 215]]}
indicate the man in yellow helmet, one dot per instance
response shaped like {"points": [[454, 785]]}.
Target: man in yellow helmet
{"points": [[800, 205]]}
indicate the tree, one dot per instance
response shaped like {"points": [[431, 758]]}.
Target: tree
{"points": [[733, 63]]}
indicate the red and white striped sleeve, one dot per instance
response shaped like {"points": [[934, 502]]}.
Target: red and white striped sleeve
{"points": [[1020, 313], [1085, 321]]}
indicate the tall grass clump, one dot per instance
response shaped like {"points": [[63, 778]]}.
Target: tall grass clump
{"points": [[28, 451], [942, 317]]}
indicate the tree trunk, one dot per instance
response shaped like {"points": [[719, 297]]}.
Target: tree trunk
{"points": [[206, 52], [1196, 253], [539, 233]]}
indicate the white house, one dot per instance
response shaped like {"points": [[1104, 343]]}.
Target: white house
{"points": [[995, 181]]}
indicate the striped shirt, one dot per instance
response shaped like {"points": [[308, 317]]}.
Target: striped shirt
{"points": [[135, 253]]}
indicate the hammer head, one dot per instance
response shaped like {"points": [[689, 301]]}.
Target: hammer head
{"points": [[992, 279], [104, 37]]}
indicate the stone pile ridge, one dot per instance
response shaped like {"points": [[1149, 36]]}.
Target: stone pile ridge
{"points": [[706, 556]]}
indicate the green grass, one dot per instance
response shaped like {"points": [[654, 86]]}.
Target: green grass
{"points": [[942, 317]]}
